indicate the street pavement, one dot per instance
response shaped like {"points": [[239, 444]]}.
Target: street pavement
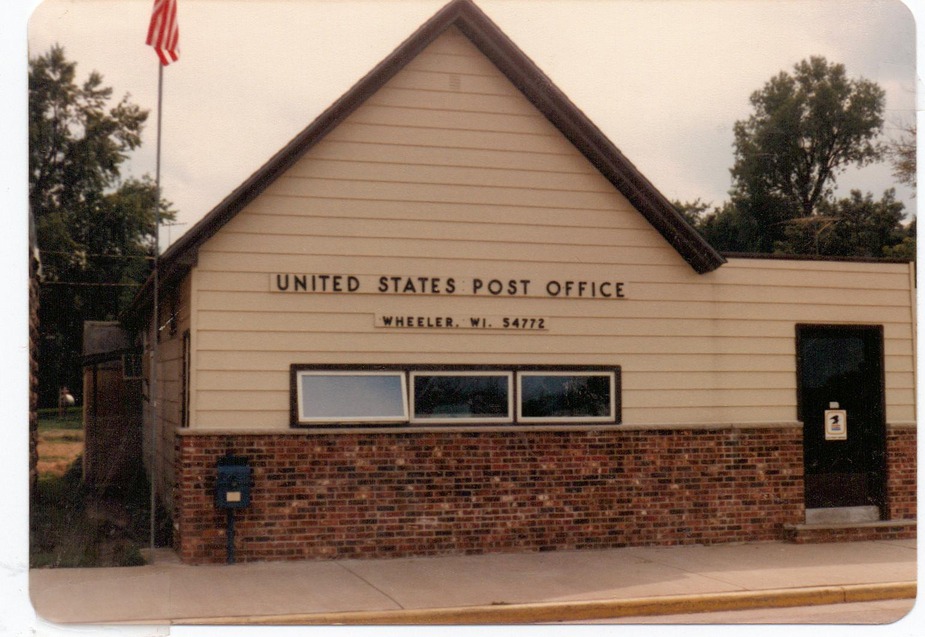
{"points": [[524, 588], [885, 611]]}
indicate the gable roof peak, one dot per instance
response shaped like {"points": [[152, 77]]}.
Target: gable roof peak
{"points": [[529, 80]]}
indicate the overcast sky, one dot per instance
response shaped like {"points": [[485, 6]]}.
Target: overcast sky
{"points": [[664, 79]]}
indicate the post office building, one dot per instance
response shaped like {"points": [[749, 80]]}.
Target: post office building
{"points": [[450, 316]]}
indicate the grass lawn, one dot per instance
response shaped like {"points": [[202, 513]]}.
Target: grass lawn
{"points": [[71, 526], [51, 419], [61, 440]]}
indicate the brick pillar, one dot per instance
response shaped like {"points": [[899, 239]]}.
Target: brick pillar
{"points": [[901, 472]]}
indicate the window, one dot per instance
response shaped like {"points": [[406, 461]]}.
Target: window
{"points": [[565, 396], [453, 395], [132, 365], [184, 381], [351, 397], [462, 397]]}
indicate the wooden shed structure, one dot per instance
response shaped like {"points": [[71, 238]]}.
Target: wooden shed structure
{"points": [[451, 316], [112, 409]]}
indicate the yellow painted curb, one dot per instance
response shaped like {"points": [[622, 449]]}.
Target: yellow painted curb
{"points": [[586, 610]]}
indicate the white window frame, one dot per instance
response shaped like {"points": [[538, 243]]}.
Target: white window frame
{"points": [[303, 419], [507, 419], [612, 418]]}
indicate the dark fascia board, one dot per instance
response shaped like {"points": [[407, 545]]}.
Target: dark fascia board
{"points": [[526, 76], [776, 256]]}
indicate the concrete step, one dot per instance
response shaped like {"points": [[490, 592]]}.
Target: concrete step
{"points": [[842, 515], [850, 531]]}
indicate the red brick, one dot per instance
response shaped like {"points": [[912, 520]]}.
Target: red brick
{"points": [[427, 493]]}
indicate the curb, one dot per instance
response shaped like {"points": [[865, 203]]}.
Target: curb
{"points": [[585, 610]]}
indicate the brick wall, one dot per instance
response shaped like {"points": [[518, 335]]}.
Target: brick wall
{"points": [[901, 469], [429, 493]]}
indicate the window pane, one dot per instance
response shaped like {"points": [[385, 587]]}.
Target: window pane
{"points": [[566, 395], [352, 396], [462, 397]]}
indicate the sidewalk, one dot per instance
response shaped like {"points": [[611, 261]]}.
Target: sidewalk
{"points": [[503, 588]]}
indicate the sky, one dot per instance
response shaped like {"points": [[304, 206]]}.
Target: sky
{"points": [[665, 80]]}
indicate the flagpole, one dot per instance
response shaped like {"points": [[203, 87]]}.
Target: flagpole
{"points": [[164, 36], [156, 320]]}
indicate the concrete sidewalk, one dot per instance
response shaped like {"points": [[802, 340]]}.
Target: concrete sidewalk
{"points": [[490, 589]]}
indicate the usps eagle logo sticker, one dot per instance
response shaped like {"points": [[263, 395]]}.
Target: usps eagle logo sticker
{"points": [[836, 424]]}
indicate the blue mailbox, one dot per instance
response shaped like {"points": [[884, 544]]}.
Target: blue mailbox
{"points": [[232, 483]]}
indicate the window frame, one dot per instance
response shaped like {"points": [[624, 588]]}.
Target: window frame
{"points": [[507, 419], [299, 418], [405, 371], [539, 420]]}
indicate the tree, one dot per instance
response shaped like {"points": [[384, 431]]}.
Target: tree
{"points": [[905, 249], [727, 229], [692, 211], [855, 226], [724, 227], [806, 128], [902, 155], [95, 231]]}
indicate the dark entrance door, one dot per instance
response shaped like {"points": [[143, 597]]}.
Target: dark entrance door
{"points": [[840, 368]]}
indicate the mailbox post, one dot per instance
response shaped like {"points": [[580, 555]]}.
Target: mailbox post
{"points": [[232, 491]]}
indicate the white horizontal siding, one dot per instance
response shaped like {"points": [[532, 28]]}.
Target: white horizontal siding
{"points": [[509, 159], [460, 249], [547, 266], [312, 206], [478, 176], [448, 171], [421, 230], [491, 340], [636, 290], [359, 323], [372, 190], [805, 312]]}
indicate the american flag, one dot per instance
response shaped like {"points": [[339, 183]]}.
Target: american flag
{"points": [[163, 32]]}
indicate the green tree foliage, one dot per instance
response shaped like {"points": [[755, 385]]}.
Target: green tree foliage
{"points": [[728, 229], [902, 155], [905, 249], [692, 211], [724, 227], [856, 226], [95, 231], [806, 128]]}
